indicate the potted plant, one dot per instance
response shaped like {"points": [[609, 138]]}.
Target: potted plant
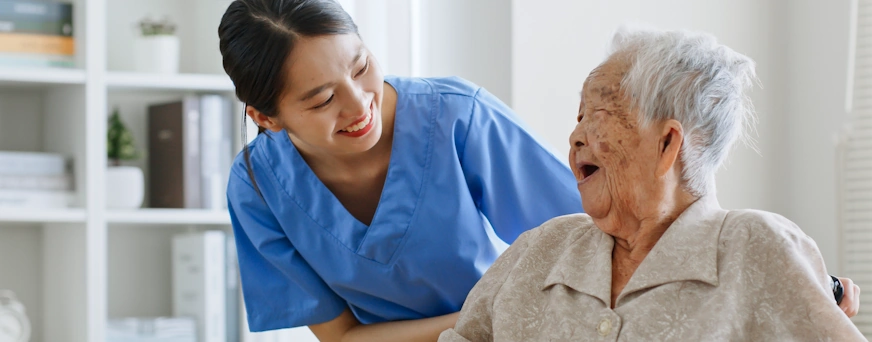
{"points": [[157, 48], [124, 184]]}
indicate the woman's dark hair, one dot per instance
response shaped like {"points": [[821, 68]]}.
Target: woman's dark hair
{"points": [[257, 36]]}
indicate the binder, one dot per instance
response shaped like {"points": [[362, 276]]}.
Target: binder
{"points": [[174, 154], [199, 282]]}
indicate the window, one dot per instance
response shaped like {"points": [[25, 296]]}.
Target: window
{"points": [[854, 165]]}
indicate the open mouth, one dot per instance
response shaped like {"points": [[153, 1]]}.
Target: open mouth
{"points": [[587, 170]]}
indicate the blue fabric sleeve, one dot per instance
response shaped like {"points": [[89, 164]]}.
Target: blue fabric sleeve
{"points": [[280, 289], [516, 181]]}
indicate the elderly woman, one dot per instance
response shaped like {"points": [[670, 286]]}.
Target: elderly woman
{"points": [[655, 257]]}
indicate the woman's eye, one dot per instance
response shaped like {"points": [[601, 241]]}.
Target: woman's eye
{"points": [[363, 70], [324, 103]]}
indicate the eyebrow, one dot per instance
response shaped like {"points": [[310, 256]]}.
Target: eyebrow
{"points": [[315, 91]]}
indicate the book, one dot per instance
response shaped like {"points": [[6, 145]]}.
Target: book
{"points": [[151, 329], [37, 43], [36, 60], [174, 154], [34, 199], [55, 28], [62, 182], [233, 291], [32, 163], [36, 10], [216, 149], [199, 282]]}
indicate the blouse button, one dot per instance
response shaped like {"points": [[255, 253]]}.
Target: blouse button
{"points": [[604, 327]]}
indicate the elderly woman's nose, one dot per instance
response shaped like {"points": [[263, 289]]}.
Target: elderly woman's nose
{"points": [[577, 138]]}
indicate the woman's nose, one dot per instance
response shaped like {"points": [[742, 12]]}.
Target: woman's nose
{"points": [[357, 104], [577, 138]]}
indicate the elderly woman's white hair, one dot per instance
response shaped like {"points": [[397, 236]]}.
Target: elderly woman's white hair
{"points": [[689, 77]]}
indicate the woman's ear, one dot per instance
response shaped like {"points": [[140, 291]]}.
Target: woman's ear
{"points": [[671, 140], [262, 120]]}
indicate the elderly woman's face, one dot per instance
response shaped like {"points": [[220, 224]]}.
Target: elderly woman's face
{"points": [[612, 158]]}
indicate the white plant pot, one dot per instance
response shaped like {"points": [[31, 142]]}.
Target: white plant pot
{"points": [[125, 187], [157, 54]]}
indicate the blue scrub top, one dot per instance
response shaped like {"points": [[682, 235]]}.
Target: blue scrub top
{"points": [[461, 163]]}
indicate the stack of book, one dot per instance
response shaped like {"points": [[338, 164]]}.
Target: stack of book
{"points": [[190, 151], [34, 180], [36, 34], [206, 284], [151, 329], [206, 288]]}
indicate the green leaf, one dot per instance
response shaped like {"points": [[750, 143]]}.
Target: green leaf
{"points": [[119, 140]]}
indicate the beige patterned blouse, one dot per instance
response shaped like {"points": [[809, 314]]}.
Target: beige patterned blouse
{"points": [[715, 275]]}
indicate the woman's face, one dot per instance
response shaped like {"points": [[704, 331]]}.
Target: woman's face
{"points": [[333, 95], [612, 158]]}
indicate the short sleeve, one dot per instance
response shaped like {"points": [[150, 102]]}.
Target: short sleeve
{"points": [[516, 181], [279, 287], [786, 276], [476, 317]]}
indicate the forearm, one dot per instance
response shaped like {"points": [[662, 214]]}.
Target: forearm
{"points": [[427, 329]]}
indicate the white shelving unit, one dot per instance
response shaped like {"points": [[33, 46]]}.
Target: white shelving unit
{"points": [[15, 76], [169, 217], [140, 81], [42, 216], [74, 268]]}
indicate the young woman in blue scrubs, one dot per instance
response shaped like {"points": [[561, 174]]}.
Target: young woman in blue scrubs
{"points": [[363, 210]]}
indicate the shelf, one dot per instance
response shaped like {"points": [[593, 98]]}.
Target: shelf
{"points": [[193, 82], [40, 76], [169, 216], [42, 215]]}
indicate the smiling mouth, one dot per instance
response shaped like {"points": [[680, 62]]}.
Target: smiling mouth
{"points": [[359, 125]]}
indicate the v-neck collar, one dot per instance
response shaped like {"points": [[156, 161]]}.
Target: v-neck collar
{"points": [[406, 171], [687, 251]]}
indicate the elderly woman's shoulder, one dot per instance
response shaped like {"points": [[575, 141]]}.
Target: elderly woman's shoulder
{"points": [[758, 226], [561, 228]]}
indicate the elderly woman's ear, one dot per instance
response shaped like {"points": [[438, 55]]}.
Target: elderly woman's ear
{"points": [[671, 139]]}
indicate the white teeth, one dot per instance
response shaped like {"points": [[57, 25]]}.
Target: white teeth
{"points": [[360, 125]]}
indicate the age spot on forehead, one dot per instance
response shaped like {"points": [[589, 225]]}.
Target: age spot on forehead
{"points": [[607, 92]]}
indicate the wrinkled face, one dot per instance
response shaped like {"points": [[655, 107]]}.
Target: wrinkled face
{"points": [[333, 95], [613, 159]]}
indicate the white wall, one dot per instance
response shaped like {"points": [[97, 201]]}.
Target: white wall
{"points": [[817, 83], [471, 39]]}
